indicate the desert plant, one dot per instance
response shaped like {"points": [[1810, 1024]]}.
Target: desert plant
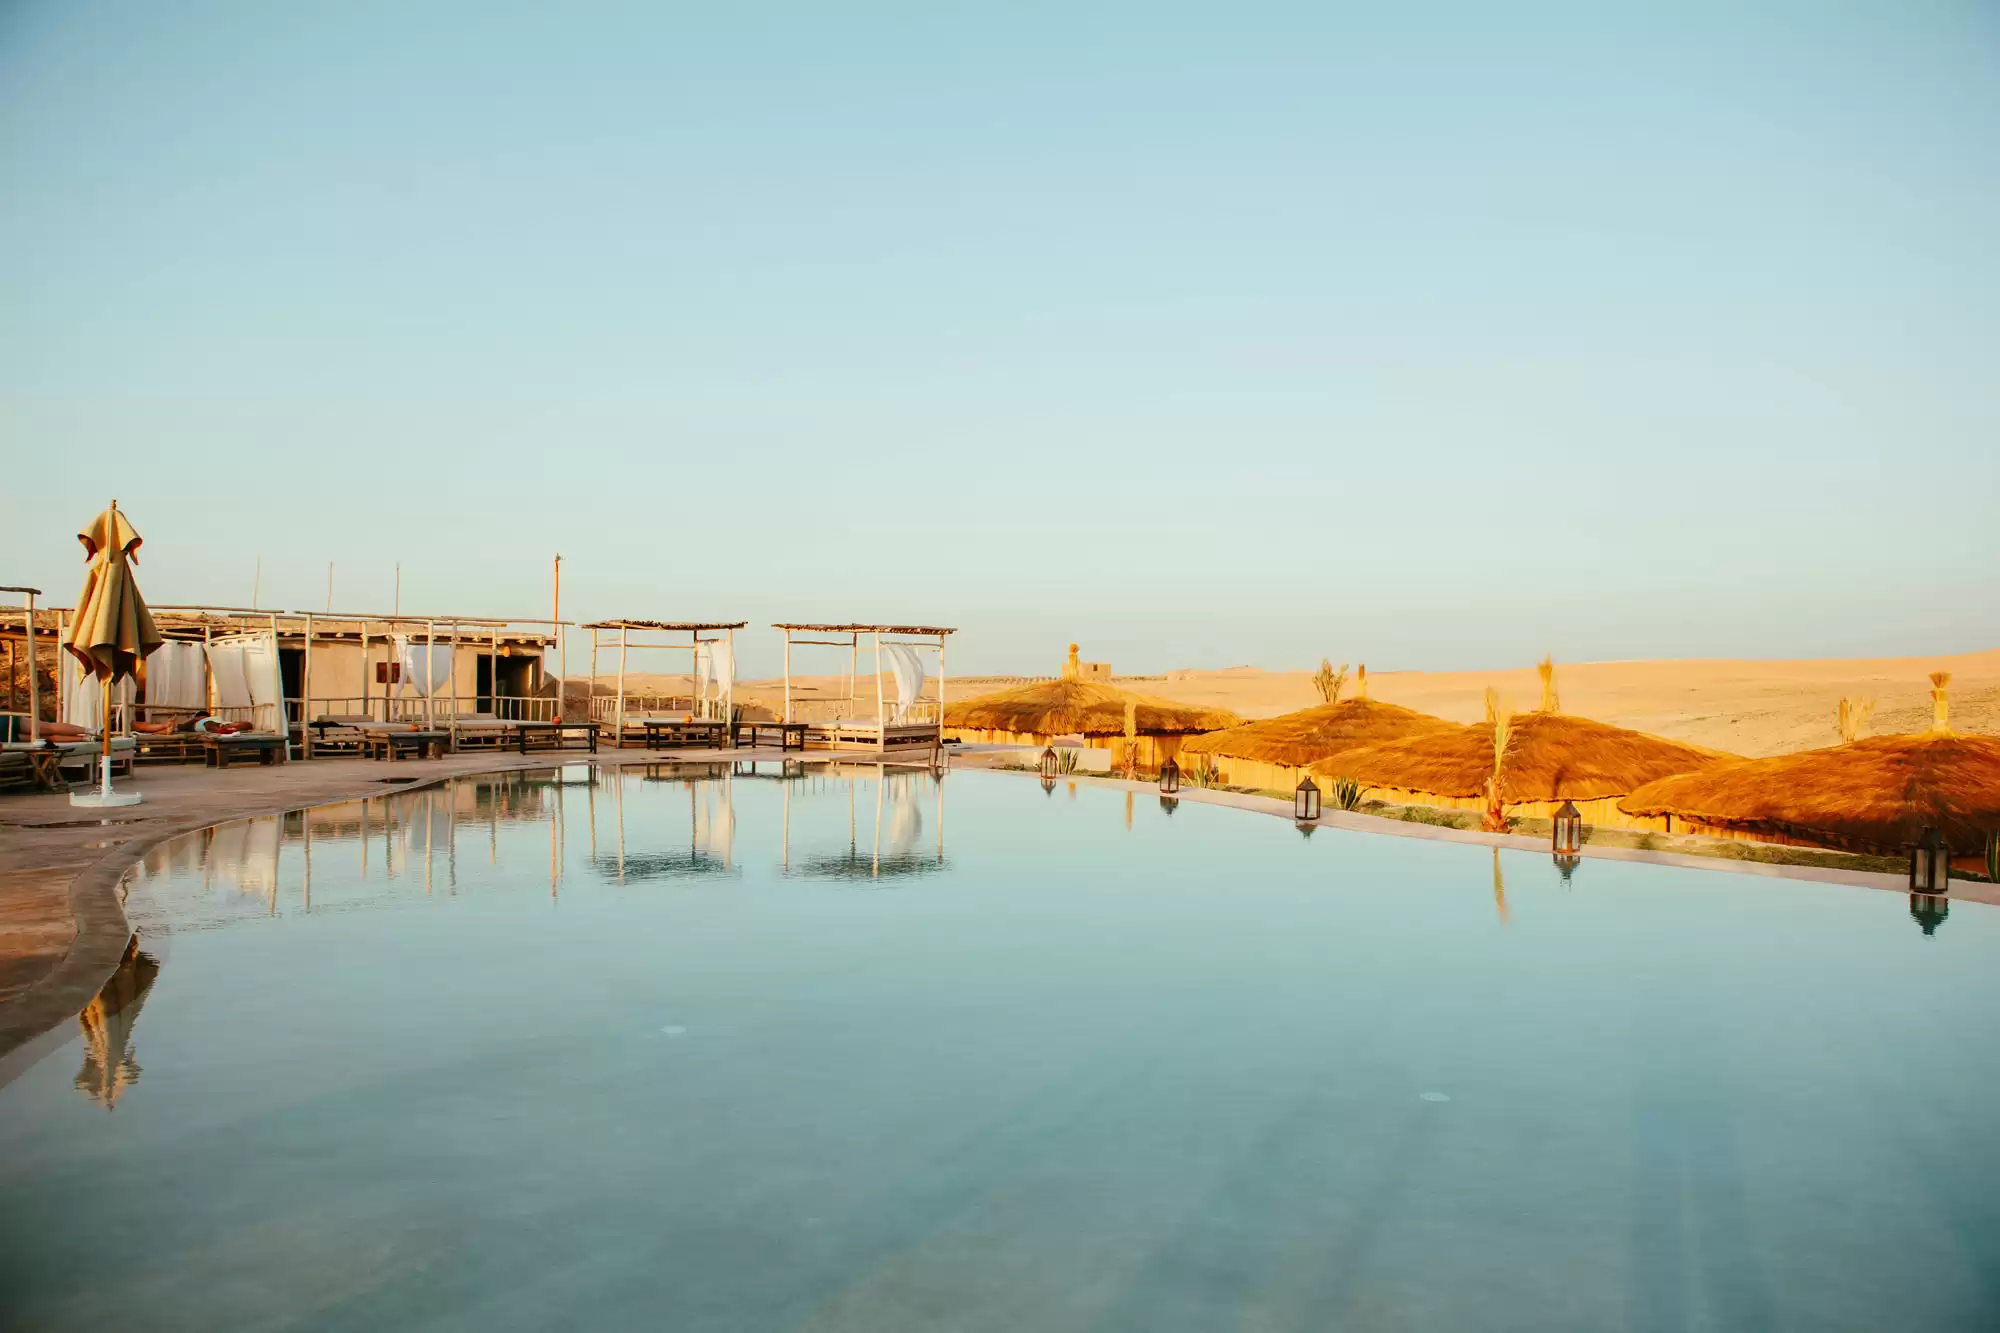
{"points": [[1066, 762], [1547, 671], [1203, 773], [1361, 682], [1853, 717], [1345, 793], [1329, 682], [1940, 703]]}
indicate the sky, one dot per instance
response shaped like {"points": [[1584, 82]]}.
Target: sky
{"points": [[1429, 335]]}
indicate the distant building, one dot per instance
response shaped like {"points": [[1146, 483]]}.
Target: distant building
{"points": [[1075, 670]]}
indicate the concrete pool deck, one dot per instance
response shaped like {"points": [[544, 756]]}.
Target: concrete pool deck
{"points": [[63, 929]]}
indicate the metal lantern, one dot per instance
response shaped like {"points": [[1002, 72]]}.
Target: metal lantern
{"points": [[1049, 762], [1930, 864], [1170, 778], [1305, 801], [1566, 836], [1929, 910]]}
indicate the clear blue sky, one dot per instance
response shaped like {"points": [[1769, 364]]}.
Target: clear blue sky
{"points": [[1429, 335]]}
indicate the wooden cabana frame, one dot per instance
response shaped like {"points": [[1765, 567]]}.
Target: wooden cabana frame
{"points": [[848, 729], [614, 711], [34, 663]]}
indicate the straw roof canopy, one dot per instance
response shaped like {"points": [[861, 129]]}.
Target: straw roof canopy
{"points": [[1550, 757], [1880, 792], [1318, 733], [1082, 707]]}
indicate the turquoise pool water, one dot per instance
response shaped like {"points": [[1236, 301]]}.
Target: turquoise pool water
{"points": [[863, 1051]]}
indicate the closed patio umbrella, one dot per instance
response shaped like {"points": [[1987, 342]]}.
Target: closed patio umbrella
{"points": [[113, 631]]}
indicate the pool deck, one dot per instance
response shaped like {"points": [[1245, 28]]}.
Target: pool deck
{"points": [[63, 929]]}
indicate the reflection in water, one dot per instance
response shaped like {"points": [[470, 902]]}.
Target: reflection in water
{"points": [[1929, 910], [1499, 889], [109, 1067]]}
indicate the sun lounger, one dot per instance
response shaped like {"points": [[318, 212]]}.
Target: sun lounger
{"points": [[221, 750]]}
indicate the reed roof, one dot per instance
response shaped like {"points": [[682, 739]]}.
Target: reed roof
{"points": [[1880, 792], [1318, 733], [1081, 707], [1550, 757]]}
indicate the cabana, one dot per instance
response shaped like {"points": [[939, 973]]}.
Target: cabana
{"points": [[1550, 758], [312, 676], [657, 717], [1273, 754], [23, 708], [1874, 795], [1045, 711], [837, 723]]}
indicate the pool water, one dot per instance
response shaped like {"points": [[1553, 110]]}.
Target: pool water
{"points": [[846, 1048]]}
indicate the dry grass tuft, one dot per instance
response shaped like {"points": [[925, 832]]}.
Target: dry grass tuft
{"points": [[1853, 716], [1941, 702], [1546, 669], [1328, 681]]}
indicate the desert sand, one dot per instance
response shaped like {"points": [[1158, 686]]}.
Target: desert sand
{"points": [[1744, 707]]}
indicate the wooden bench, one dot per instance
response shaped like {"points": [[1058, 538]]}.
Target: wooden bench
{"points": [[222, 751], [791, 735], [553, 735], [667, 733], [394, 745]]}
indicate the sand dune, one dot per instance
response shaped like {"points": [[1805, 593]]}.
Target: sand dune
{"points": [[1751, 708]]}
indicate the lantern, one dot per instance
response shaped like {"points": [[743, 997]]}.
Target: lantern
{"points": [[1170, 778], [1566, 865], [1929, 910], [1305, 802], [1930, 864], [1049, 762], [1566, 835]]}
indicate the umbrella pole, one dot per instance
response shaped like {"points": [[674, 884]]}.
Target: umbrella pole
{"points": [[105, 788]]}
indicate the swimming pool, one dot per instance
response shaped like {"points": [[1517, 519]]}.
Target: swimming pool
{"points": [[846, 1048]]}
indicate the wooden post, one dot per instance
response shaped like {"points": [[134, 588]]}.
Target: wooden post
{"points": [[591, 706], [853, 666], [35, 677], [881, 723], [729, 692], [62, 674], [624, 640], [306, 734], [430, 685], [941, 639], [788, 684]]}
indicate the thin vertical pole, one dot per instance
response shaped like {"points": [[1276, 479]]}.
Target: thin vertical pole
{"points": [[307, 816], [305, 698], [881, 726], [786, 846], [562, 644], [788, 681], [624, 640], [875, 869], [729, 693], [493, 676], [853, 666], [62, 673], [35, 675], [941, 639], [590, 706], [430, 675]]}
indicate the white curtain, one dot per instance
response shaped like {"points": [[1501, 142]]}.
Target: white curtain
{"points": [[247, 675], [426, 667], [907, 667], [714, 673], [176, 676], [83, 703]]}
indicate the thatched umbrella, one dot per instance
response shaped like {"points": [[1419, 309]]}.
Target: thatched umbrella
{"points": [[1037, 713], [1549, 758], [1877, 794], [1269, 752], [113, 631], [108, 1064]]}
